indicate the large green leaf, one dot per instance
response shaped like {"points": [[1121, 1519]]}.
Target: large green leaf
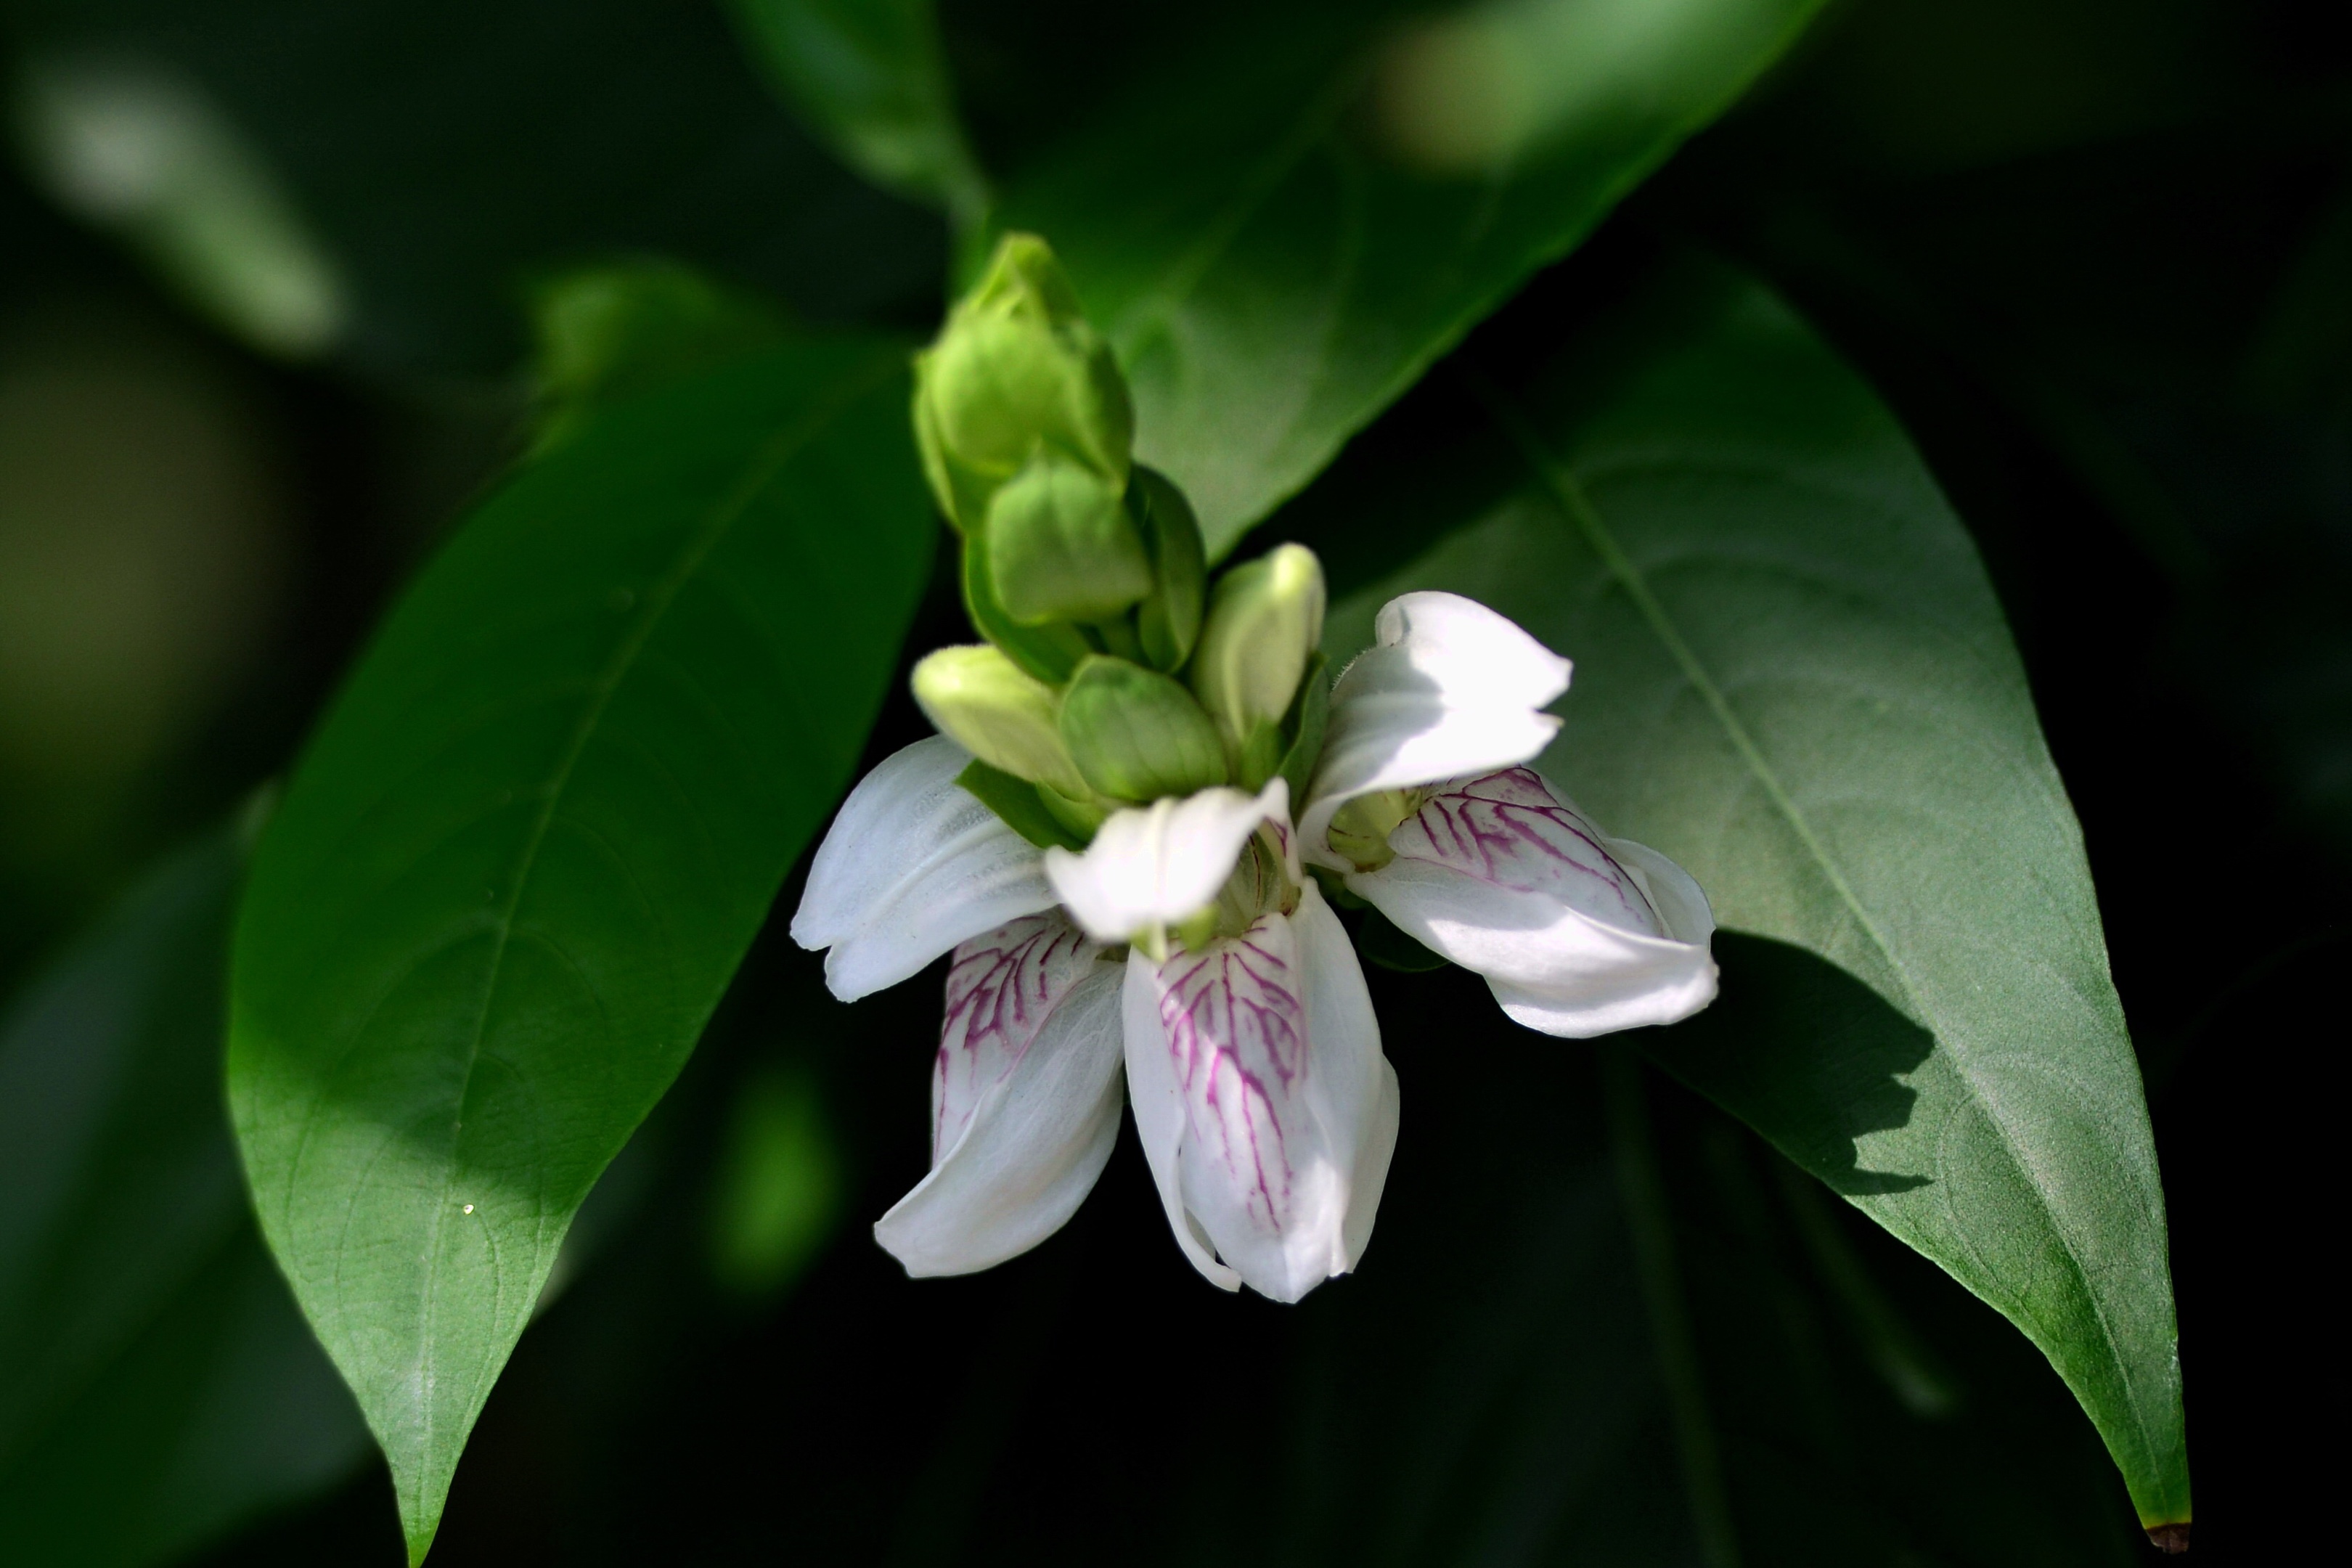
{"points": [[871, 77], [156, 1383], [533, 839], [1792, 677], [1277, 243]]}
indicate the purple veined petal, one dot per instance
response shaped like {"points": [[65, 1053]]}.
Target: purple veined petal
{"points": [[1577, 934], [1001, 988], [1510, 829], [913, 865], [1449, 689], [1262, 1100], [1025, 1099]]}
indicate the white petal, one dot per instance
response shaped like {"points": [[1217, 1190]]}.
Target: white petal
{"points": [[1353, 1087], [1266, 1110], [1152, 866], [1449, 689], [914, 864], [1577, 934], [1025, 1100]]}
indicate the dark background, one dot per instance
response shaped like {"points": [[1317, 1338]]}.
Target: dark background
{"points": [[2097, 255]]}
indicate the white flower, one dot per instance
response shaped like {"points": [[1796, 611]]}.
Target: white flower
{"points": [[1479, 857], [1149, 870], [1191, 948]]}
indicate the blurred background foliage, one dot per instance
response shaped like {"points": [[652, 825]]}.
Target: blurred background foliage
{"points": [[264, 315]]}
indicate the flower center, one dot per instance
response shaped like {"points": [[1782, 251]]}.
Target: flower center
{"points": [[1361, 829]]}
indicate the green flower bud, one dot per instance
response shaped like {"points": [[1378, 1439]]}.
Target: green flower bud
{"points": [[1168, 621], [1049, 652], [997, 711], [1263, 623], [1017, 368], [1136, 734], [1061, 547]]}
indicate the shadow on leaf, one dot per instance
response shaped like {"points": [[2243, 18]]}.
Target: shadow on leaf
{"points": [[1805, 1054]]}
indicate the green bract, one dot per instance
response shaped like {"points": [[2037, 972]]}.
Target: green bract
{"points": [[1017, 373], [1168, 621], [1061, 547], [1088, 579], [1136, 734], [1263, 625], [997, 711]]}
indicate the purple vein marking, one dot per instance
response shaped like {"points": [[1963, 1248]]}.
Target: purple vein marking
{"points": [[1000, 989], [1508, 829], [1237, 1031]]}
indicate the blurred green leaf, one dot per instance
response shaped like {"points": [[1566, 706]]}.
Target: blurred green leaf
{"points": [[871, 77], [532, 841], [156, 1383], [441, 151], [1282, 229], [606, 334], [779, 1186], [1794, 679]]}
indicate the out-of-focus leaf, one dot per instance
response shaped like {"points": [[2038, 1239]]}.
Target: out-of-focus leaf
{"points": [[137, 148], [779, 1184], [605, 335], [440, 151], [156, 1383], [872, 79], [1794, 679], [1282, 228], [533, 839]]}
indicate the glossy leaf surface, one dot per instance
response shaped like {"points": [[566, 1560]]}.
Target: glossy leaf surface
{"points": [[532, 841], [1792, 677], [156, 1383], [1266, 234]]}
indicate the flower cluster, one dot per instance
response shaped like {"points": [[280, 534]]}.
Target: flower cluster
{"points": [[1143, 801]]}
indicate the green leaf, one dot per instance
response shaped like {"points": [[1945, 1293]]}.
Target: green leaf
{"points": [[606, 334], [871, 77], [156, 1383], [532, 841], [1792, 677], [1275, 257]]}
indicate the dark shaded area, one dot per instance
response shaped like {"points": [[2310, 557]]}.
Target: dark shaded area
{"points": [[449, 152]]}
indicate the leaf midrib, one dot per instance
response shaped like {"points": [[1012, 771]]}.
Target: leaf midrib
{"points": [[762, 471], [1569, 496]]}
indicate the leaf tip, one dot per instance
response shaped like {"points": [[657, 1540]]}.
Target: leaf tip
{"points": [[2169, 1539]]}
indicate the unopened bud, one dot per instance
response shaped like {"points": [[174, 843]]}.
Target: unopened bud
{"points": [[1017, 369], [1168, 621], [1263, 625], [1050, 652], [997, 711], [1061, 546], [1137, 735]]}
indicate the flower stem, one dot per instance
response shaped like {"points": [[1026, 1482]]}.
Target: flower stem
{"points": [[1651, 1223]]}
